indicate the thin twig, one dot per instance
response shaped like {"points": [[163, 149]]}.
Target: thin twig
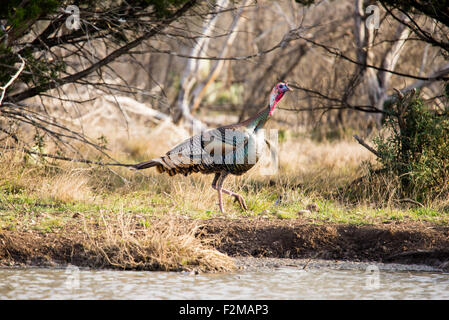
{"points": [[47, 155], [411, 201], [374, 151]]}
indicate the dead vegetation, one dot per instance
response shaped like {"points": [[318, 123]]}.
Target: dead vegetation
{"points": [[166, 243]]}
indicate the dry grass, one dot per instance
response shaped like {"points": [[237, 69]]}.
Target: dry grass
{"points": [[323, 166], [308, 171], [66, 187], [63, 182], [168, 243]]}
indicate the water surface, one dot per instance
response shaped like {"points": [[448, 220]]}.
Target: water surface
{"points": [[279, 283]]}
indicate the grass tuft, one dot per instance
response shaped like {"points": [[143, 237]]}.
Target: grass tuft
{"points": [[167, 243]]}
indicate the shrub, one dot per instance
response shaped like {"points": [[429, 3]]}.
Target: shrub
{"points": [[414, 147]]}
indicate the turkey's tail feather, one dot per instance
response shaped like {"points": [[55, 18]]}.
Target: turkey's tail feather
{"points": [[145, 165], [172, 165]]}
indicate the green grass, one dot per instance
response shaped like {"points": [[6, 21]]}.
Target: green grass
{"points": [[24, 211]]}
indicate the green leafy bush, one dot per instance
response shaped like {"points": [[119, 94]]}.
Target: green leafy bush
{"points": [[415, 148]]}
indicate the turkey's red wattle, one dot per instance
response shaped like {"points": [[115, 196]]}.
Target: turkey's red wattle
{"points": [[276, 100]]}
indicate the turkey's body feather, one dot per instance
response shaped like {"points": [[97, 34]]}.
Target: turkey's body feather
{"points": [[234, 149]]}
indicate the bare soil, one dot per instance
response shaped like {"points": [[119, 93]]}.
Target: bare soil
{"points": [[409, 243], [404, 242]]}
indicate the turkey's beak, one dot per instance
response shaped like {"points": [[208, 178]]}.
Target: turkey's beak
{"points": [[288, 88]]}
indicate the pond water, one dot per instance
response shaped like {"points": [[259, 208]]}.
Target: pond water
{"points": [[277, 283]]}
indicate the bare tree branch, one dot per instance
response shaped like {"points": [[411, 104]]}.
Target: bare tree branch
{"points": [[13, 78], [369, 148], [108, 59], [53, 156]]}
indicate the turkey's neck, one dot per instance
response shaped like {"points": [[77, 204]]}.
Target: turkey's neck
{"points": [[257, 121]]}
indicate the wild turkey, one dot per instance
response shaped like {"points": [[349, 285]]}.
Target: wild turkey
{"points": [[231, 149]]}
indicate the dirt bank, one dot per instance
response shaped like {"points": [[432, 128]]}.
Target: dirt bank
{"points": [[405, 242], [395, 242]]}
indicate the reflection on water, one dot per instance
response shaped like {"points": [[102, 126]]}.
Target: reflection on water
{"points": [[282, 283]]}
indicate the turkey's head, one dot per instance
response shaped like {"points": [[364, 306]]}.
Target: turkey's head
{"points": [[276, 95]]}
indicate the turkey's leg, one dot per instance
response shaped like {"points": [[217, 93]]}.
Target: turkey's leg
{"points": [[218, 178], [217, 184], [237, 197]]}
